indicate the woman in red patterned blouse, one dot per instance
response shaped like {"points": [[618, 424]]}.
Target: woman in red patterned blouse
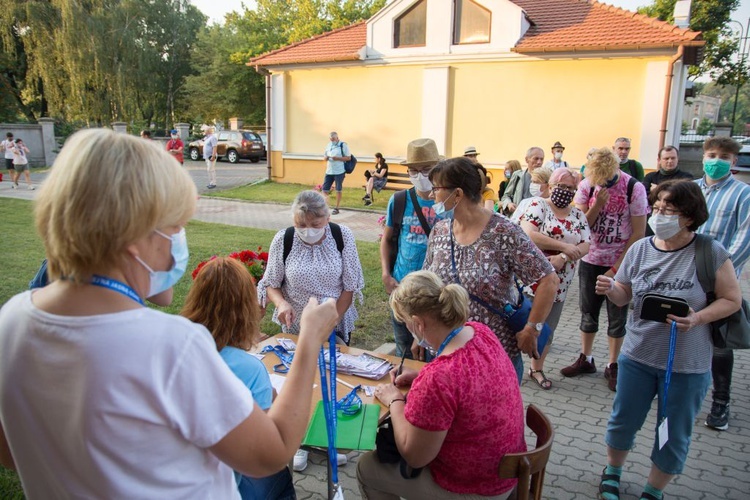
{"points": [[464, 410]]}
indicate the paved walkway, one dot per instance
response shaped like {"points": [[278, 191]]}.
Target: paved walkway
{"points": [[719, 462]]}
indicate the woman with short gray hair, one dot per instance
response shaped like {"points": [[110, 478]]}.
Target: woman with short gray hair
{"points": [[314, 258]]}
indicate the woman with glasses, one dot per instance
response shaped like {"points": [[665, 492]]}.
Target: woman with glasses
{"points": [[664, 264], [484, 251], [463, 412], [561, 231]]}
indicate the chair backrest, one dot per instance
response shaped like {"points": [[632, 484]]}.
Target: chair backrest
{"points": [[529, 467]]}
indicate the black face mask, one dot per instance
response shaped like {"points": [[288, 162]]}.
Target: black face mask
{"points": [[611, 182], [561, 198]]}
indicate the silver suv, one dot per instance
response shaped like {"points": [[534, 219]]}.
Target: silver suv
{"points": [[742, 170]]}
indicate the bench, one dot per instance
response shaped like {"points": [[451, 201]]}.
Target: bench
{"points": [[397, 181]]}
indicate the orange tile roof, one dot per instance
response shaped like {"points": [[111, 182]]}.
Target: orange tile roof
{"points": [[580, 25], [342, 44], [557, 26]]}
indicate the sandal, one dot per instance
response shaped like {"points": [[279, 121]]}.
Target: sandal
{"points": [[608, 491], [544, 383]]}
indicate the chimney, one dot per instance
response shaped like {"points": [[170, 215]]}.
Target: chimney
{"points": [[682, 14]]}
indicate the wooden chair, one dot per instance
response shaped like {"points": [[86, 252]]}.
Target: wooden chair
{"points": [[529, 467]]}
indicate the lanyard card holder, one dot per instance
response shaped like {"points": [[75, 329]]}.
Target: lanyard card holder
{"points": [[656, 307]]}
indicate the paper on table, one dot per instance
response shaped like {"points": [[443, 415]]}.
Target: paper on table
{"points": [[277, 381]]}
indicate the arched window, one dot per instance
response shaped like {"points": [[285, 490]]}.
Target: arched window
{"points": [[410, 28], [471, 23]]}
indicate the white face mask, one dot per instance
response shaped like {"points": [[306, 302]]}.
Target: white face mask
{"points": [[535, 189], [623, 162], [421, 183], [558, 156], [310, 235], [665, 226]]}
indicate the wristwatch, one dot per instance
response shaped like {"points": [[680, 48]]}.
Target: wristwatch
{"points": [[564, 257], [536, 326]]}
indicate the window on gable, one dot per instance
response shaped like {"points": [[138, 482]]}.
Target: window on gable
{"points": [[471, 23], [410, 28]]}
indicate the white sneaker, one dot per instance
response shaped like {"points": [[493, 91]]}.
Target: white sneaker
{"points": [[341, 459], [300, 460], [31, 188], [13, 186]]}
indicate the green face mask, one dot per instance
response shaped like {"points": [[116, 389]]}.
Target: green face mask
{"points": [[716, 168]]}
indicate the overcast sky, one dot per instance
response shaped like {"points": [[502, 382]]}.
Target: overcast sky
{"points": [[215, 9]]}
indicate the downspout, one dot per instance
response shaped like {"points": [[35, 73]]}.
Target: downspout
{"points": [[668, 95], [267, 75]]}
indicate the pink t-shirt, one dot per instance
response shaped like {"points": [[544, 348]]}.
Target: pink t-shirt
{"points": [[612, 229], [473, 394]]}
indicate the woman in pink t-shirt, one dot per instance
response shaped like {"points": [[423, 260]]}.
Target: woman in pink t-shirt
{"points": [[464, 410]]}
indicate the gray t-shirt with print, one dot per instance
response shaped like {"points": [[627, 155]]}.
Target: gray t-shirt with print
{"points": [[646, 269]]}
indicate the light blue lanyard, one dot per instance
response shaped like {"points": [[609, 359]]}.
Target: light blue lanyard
{"points": [[117, 286], [329, 405], [450, 336], [670, 362]]}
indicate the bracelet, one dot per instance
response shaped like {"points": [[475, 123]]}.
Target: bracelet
{"points": [[613, 269], [394, 400]]}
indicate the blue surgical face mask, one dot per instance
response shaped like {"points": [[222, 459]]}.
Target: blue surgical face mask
{"points": [[164, 280], [440, 210], [423, 344], [716, 168]]}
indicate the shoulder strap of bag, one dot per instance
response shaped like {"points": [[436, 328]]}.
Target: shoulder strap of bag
{"points": [[631, 185], [335, 232], [704, 265], [418, 209], [399, 206]]}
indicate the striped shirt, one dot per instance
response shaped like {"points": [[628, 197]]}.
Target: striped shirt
{"points": [[646, 269], [728, 217]]}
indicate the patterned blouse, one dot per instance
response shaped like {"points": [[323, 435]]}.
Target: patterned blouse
{"points": [[574, 229], [318, 271], [486, 269]]}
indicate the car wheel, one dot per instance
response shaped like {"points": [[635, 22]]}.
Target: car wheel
{"points": [[194, 154], [232, 156], [255, 159]]}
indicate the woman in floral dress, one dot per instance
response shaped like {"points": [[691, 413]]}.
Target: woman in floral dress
{"points": [[561, 231]]}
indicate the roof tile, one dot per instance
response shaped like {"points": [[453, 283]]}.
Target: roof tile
{"points": [[557, 26]]}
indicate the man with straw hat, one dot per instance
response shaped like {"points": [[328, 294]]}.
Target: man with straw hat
{"points": [[404, 242]]}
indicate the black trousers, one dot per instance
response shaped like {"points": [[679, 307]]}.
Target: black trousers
{"points": [[721, 370]]}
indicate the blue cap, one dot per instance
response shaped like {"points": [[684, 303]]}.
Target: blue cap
{"points": [[173, 131]]}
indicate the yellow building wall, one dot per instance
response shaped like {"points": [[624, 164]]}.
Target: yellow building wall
{"points": [[502, 108]]}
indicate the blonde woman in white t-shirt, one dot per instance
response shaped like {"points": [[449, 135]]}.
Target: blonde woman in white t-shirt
{"points": [[103, 397]]}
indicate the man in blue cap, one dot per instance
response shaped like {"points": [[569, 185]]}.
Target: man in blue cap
{"points": [[176, 147]]}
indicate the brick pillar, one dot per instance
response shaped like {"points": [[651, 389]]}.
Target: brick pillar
{"points": [[48, 140], [120, 127], [183, 129], [235, 123]]}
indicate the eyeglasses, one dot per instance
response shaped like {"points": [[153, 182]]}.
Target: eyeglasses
{"points": [[413, 172], [664, 210]]}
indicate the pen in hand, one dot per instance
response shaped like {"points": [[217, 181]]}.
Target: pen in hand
{"points": [[400, 367]]}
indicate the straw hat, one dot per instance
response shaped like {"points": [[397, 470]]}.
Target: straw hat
{"points": [[421, 152], [470, 151]]}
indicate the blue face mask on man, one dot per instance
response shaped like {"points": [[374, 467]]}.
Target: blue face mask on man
{"points": [[440, 210], [164, 280]]}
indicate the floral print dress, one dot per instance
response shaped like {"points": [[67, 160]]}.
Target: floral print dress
{"points": [[486, 269], [574, 229]]}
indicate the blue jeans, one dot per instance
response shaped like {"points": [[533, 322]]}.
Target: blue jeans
{"points": [[518, 365], [636, 386], [404, 339], [277, 486], [330, 178]]}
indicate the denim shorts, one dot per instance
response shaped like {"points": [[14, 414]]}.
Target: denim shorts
{"points": [[636, 386], [591, 303], [328, 182]]}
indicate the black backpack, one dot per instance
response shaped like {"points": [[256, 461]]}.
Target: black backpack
{"points": [[399, 207], [335, 232]]}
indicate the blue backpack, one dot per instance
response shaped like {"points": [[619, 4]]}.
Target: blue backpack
{"points": [[348, 165]]}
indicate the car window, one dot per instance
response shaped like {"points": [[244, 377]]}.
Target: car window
{"points": [[250, 136], [743, 160], [223, 136]]}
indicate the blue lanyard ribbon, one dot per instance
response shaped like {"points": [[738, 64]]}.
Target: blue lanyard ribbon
{"points": [[447, 340], [117, 286], [329, 406], [285, 357], [670, 362]]}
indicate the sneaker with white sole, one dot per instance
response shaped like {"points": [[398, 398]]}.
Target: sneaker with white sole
{"points": [[341, 459], [31, 188], [300, 460]]}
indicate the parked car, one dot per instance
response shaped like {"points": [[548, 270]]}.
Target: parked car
{"points": [[232, 145], [742, 170], [264, 138]]}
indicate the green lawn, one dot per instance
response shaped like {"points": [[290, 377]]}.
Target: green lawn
{"points": [[22, 251], [284, 193]]}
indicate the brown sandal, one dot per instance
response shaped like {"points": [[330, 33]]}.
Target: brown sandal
{"points": [[545, 383]]}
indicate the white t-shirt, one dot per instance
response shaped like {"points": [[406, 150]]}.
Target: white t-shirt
{"points": [[119, 405], [8, 147]]}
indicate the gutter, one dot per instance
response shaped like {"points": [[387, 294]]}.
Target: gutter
{"points": [[267, 74], [668, 95]]}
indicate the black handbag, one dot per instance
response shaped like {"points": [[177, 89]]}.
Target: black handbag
{"points": [[656, 307], [387, 451]]}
